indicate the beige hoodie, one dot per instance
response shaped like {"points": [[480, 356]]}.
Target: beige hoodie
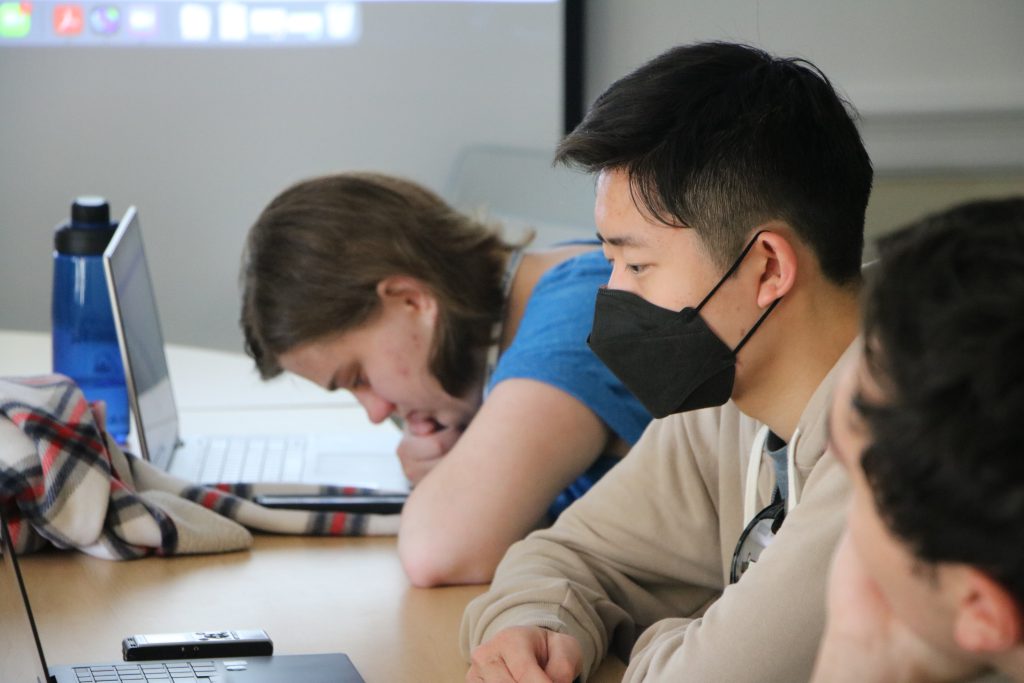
{"points": [[642, 561]]}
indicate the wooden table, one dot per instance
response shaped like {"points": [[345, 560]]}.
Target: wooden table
{"points": [[310, 594]]}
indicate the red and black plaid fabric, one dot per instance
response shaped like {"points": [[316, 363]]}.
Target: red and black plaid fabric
{"points": [[64, 483]]}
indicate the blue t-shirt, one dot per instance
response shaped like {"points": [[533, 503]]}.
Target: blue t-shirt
{"points": [[550, 346]]}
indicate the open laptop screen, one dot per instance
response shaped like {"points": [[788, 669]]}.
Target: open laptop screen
{"points": [[142, 341], [21, 658]]}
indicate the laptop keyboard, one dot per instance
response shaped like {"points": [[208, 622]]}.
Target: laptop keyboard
{"points": [[249, 459], [164, 672]]}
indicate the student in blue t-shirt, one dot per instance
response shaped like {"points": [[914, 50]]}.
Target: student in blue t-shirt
{"points": [[373, 284]]}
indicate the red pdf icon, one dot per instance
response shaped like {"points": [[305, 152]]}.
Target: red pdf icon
{"points": [[68, 20]]}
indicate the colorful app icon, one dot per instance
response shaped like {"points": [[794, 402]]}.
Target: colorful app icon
{"points": [[68, 20], [105, 20], [142, 21], [15, 19]]}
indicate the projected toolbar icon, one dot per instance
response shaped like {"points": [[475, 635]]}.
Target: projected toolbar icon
{"points": [[105, 20], [15, 19], [196, 22], [233, 21], [142, 21], [68, 20]]}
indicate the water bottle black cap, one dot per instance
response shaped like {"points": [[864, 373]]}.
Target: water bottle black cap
{"points": [[89, 231], [90, 210]]}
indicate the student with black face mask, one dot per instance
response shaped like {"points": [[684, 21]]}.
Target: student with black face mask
{"points": [[731, 193]]}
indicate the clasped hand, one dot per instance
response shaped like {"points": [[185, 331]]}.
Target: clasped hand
{"points": [[526, 654], [420, 453]]}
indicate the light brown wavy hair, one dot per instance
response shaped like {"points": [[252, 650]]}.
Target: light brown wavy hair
{"points": [[314, 257]]}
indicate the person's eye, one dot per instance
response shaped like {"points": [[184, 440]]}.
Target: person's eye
{"points": [[350, 381], [636, 268]]}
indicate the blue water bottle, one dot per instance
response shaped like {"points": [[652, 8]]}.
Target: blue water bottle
{"points": [[85, 344]]}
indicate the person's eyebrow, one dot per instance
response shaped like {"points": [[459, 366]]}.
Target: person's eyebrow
{"points": [[622, 241]]}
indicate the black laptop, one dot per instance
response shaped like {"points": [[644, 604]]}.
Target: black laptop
{"points": [[22, 659]]}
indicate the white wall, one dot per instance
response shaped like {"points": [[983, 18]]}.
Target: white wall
{"points": [[939, 84]]}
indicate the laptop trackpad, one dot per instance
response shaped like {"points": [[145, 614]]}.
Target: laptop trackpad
{"points": [[371, 465]]}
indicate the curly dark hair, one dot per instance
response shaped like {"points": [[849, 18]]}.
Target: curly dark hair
{"points": [[944, 339], [720, 137]]}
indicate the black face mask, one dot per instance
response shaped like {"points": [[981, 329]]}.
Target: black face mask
{"points": [[671, 361]]}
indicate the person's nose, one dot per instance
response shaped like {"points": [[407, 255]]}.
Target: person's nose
{"points": [[618, 279], [377, 408]]}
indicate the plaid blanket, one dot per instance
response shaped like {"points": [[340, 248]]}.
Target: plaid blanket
{"points": [[64, 483]]}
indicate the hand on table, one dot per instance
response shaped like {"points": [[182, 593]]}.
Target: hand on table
{"points": [[526, 654], [865, 641]]}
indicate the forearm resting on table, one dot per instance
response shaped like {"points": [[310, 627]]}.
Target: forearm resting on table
{"points": [[527, 442], [458, 523], [442, 543]]}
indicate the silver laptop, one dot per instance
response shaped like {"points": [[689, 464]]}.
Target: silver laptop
{"points": [[282, 463], [22, 659]]}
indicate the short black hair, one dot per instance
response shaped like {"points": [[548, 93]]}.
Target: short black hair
{"points": [[944, 339], [720, 137]]}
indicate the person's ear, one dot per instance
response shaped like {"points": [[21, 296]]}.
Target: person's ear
{"points": [[778, 263], [988, 618], [407, 292]]}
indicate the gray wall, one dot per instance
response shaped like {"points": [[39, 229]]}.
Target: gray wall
{"points": [[938, 83], [201, 138]]}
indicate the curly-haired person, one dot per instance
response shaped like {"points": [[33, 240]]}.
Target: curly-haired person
{"points": [[928, 583]]}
